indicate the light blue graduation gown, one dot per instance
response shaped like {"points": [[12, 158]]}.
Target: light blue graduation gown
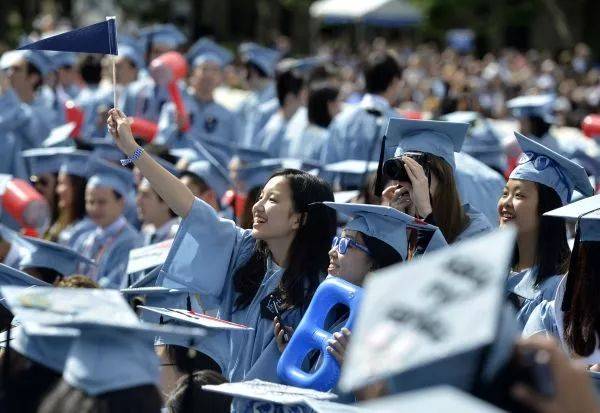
{"points": [[145, 99], [257, 122], [208, 120], [542, 320], [478, 185], [249, 113], [521, 285], [478, 223], [206, 253], [355, 133], [270, 137], [303, 140], [110, 249], [69, 236]]}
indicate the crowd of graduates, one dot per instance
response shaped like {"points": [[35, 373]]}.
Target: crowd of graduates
{"points": [[261, 174]]}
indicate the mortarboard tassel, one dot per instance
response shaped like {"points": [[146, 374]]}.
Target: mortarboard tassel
{"points": [[379, 181]]}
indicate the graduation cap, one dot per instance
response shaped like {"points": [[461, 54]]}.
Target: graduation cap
{"points": [[250, 154], [38, 59], [269, 392], [111, 341], [214, 175], [541, 106], [445, 399], [205, 50], [264, 58], [103, 174], [542, 165], [438, 138], [133, 53], [105, 149], [448, 313], [163, 34], [46, 254], [96, 38], [461, 117], [45, 160], [76, 162], [14, 277], [382, 222], [60, 136], [587, 214], [61, 59]]}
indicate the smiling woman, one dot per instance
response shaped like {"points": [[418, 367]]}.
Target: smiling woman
{"points": [[245, 276], [543, 180]]}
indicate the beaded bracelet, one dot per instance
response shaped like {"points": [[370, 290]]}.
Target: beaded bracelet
{"points": [[136, 155]]}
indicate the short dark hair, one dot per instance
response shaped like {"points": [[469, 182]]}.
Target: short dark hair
{"points": [[288, 82], [252, 67], [319, 96], [90, 69], [380, 71]]}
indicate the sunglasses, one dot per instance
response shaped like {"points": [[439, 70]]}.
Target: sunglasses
{"points": [[541, 162], [342, 244]]}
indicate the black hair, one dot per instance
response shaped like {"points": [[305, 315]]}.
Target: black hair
{"points": [[117, 195], [90, 69], [552, 250], [203, 401], [180, 357], [319, 96], [382, 254], [308, 254], [288, 82], [66, 399], [580, 303], [78, 184], [539, 127], [33, 70], [49, 275], [380, 71], [29, 383], [252, 67]]}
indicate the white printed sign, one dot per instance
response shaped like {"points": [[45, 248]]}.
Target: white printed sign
{"points": [[147, 257]]}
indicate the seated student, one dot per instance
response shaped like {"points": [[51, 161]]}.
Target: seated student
{"points": [[208, 181], [571, 314], [181, 401], [109, 244], [207, 119], [307, 132], [240, 275], [543, 181], [110, 365], [159, 223], [424, 150], [36, 363], [374, 238]]}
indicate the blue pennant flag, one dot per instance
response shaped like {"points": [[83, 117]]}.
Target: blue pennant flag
{"points": [[97, 38]]}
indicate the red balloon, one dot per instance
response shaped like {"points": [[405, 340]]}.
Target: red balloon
{"points": [[591, 126]]}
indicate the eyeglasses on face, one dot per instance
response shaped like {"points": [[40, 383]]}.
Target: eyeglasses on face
{"points": [[342, 244]]}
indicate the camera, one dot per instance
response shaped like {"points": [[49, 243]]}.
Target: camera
{"points": [[394, 168]]}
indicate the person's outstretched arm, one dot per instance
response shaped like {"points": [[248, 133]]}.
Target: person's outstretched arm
{"points": [[177, 196]]}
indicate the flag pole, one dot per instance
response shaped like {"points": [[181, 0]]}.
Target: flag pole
{"points": [[114, 76]]}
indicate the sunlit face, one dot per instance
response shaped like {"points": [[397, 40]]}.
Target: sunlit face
{"points": [[354, 265], [64, 191], [20, 80], [125, 70], [519, 205], [150, 208], [102, 205], [273, 213], [205, 79]]}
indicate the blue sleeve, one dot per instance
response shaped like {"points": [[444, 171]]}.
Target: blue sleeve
{"points": [[541, 321], [205, 252]]}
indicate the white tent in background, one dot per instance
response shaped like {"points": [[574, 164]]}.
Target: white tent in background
{"points": [[385, 13]]}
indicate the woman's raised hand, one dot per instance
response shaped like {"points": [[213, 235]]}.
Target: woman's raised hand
{"points": [[119, 127], [420, 187]]}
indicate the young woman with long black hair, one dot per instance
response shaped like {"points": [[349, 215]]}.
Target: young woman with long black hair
{"points": [[245, 276], [543, 181]]}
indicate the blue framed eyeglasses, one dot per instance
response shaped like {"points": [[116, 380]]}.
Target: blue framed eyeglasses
{"points": [[342, 244]]}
